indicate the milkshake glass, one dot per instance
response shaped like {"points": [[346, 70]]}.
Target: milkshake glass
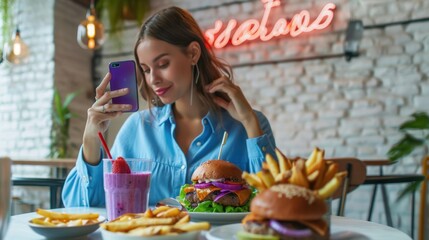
{"points": [[127, 192]]}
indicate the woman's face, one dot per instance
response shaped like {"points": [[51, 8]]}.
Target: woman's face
{"points": [[167, 69]]}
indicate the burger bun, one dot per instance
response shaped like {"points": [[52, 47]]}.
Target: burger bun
{"points": [[217, 169], [287, 202]]}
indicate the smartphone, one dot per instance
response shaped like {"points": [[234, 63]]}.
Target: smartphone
{"points": [[123, 75]]}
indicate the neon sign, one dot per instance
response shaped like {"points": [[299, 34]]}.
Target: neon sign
{"points": [[253, 29]]}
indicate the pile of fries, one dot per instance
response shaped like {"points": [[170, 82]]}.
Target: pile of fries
{"points": [[58, 219], [314, 173], [163, 220]]}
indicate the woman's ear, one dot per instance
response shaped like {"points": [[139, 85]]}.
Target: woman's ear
{"points": [[194, 50]]}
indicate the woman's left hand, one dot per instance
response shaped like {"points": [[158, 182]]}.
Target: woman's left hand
{"points": [[239, 108]]}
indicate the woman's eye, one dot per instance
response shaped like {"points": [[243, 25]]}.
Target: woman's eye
{"points": [[163, 65], [146, 71]]}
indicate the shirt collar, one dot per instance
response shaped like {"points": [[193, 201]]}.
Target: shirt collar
{"points": [[211, 120], [166, 113]]}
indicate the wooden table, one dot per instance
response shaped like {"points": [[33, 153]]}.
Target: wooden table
{"points": [[59, 162], [60, 165], [55, 184]]}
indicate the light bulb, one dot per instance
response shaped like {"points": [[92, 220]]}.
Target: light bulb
{"points": [[16, 51], [90, 33]]}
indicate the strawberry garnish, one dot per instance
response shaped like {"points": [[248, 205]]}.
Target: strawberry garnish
{"points": [[120, 166]]}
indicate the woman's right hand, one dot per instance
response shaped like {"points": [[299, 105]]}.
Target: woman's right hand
{"points": [[99, 116]]}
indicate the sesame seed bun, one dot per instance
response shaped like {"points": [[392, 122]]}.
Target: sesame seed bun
{"points": [[288, 202]]}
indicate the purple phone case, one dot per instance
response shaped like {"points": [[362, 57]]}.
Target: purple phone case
{"points": [[123, 75]]}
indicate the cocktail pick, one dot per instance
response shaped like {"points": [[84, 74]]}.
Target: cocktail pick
{"points": [[225, 137], [100, 135]]}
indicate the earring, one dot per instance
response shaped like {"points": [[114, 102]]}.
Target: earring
{"points": [[198, 74], [192, 82], [155, 101]]}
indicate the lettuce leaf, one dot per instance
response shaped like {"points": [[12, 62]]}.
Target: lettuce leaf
{"points": [[210, 206]]}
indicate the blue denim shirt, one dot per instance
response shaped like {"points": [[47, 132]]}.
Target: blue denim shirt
{"points": [[151, 135]]}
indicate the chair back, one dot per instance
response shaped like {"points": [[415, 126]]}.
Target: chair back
{"points": [[5, 193], [356, 174], [423, 198]]}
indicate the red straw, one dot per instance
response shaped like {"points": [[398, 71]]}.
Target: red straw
{"points": [[104, 145]]}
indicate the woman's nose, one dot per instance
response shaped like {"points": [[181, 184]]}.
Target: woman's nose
{"points": [[154, 78]]}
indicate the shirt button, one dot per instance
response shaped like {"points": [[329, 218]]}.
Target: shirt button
{"points": [[183, 167], [198, 144], [205, 121], [264, 149]]}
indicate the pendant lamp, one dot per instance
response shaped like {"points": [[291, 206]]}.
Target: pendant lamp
{"points": [[90, 32], [16, 51]]}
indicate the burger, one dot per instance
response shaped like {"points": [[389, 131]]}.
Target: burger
{"points": [[217, 186], [286, 212]]}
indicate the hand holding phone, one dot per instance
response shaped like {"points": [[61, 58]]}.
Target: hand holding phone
{"points": [[123, 75]]}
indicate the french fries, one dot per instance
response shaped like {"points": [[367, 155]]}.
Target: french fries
{"points": [[314, 173], [266, 177], [299, 175], [330, 188], [58, 219], [163, 220], [253, 180], [272, 165], [284, 162]]}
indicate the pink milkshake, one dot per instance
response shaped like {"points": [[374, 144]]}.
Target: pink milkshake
{"points": [[127, 192]]}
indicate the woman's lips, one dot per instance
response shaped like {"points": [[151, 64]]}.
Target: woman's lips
{"points": [[161, 91]]}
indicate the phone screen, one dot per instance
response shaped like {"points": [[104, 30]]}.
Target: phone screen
{"points": [[123, 75]]}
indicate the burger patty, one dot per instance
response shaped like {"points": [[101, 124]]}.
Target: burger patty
{"points": [[229, 199], [263, 228]]}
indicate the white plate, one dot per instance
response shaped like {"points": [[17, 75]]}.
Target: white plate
{"points": [[64, 231], [229, 231], [107, 235], [217, 218]]}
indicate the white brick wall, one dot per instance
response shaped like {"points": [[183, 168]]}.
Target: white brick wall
{"points": [[48, 27], [349, 108], [25, 96]]}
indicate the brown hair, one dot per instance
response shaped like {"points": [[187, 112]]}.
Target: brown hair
{"points": [[177, 26]]}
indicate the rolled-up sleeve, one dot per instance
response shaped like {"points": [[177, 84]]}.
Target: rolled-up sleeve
{"points": [[84, 185], [257, 148]]}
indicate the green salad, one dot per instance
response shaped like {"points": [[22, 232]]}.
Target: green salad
{"points": [[211, 206]]}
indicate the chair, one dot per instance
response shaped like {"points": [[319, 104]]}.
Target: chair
{"points": [[356, 174], [5, 193], [60, 169], [382, 180], [54, 185], [423, 192]]}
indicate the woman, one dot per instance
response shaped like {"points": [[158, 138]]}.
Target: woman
{"points": [[193, 102]]}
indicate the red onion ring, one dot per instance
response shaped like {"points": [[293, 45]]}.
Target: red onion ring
{"points": [[202, 185], [220, 196], [228, 186], [282, 229]]}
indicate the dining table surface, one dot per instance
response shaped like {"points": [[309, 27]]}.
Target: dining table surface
{"points": [[341, 228]]}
